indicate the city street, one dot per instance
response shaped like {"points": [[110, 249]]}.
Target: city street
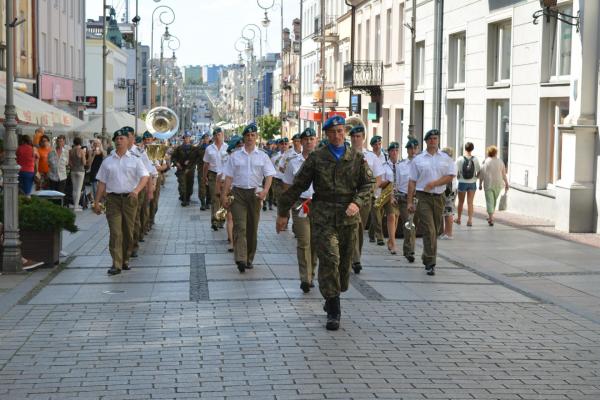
{"points": [[510, 314]]}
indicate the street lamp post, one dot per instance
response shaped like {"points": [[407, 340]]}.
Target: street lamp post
{"points": [[104, 54], [165, 36], [11, 256], [166, 12], [136, 84]]}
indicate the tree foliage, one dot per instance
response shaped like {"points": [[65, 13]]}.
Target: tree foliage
{"points": [[268, 126]]}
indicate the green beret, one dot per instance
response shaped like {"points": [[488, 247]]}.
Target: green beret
{"points": [[138, 139], [217, 130], [119, 132], [285, 140], [412, 142], [296, 137], [308, 132], [357, 129], [394, 145], [431, 132], [250, 128], [375, 139], [147, 135], [128, 129]]}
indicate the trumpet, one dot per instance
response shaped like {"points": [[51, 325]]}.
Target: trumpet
{"points": [[221, 213], [410, 225]]}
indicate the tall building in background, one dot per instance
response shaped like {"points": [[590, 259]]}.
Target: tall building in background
{"points": [[210, 74], [192, 74], [60, 36]]}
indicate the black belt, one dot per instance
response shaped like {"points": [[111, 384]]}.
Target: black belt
{"points": [[119, 194], [429, 194], [212, 172], [239, 188]]}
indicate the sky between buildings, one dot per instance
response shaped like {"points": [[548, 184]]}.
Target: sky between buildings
{"points": [[207, 29]]}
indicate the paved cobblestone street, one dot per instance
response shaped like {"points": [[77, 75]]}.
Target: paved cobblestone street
{"points": [[511, 314]]}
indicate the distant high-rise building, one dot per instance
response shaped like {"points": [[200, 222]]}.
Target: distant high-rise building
{"points": [[192, 74]]}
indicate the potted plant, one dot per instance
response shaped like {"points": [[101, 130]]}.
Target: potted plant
{"points": [[40, 225]]}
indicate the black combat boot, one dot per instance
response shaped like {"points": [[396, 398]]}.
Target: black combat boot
{"points": [[357, 267], [333, 313]]}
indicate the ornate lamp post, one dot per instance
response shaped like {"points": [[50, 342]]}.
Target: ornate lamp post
{"points": [[166, 17]]}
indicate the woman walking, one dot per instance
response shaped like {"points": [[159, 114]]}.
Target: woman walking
{"points": [[77, 166], [491, 179], [27, 158], [467, 167]]}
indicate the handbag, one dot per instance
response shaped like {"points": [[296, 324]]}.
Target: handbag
{"points": [[503, 203]]}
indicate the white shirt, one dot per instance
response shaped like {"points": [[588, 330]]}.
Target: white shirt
{"points": [[402, 174], [121, 174], [214, 157], [248, 169], [389, 175], [291, 170], [376, 166], [58, 165], [135, 150], [426, 168], [277, 160]]}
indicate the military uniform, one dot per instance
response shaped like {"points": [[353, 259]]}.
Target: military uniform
{"points": [[376, 217], [339, 177], [213, 159], [185, 157], [202, 187], [120, 175], [410, 235], [306, 251]]}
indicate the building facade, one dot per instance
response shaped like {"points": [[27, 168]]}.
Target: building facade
{"points": [[60, 62]]}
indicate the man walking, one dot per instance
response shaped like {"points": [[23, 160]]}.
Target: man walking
{"points": [[376, 157], [184, 158], [410, 235], [245, 171], [213, 163], [429, 173], [122, 176], [342, 182]]}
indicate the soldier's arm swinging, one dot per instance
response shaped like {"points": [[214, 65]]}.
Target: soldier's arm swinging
{"points": [[226, 189], [412, 186]]}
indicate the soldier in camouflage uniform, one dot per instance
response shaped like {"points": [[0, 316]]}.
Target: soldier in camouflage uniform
{"points": [[202, 187], [184, 158], [342, 183]]}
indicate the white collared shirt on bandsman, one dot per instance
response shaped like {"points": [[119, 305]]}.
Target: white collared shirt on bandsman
{"points": [[141, 153], [276, 159], [425, 168], [121, 174], [215, 157], [376, 164], [248, 170], [293, 166]]}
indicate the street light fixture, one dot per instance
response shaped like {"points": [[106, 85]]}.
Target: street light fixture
{"points": [[550, 10], [166, 17]]}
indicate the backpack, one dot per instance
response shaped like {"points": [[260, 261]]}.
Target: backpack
{"points": [[468, 168]]}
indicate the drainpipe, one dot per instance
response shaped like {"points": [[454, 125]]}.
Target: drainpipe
{"points": [[413, 51], [352, 20], [437, 66]]}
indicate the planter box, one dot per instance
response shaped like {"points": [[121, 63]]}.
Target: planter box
{"points": [[41, 246]]}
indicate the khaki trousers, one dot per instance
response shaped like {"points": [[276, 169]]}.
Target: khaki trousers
{"points": [[375, 227], [154, 201], [364, 217], [410, 236], [120, 214], [246, 214], [215, 201], [305, 249], [140, 219], [429, 212]]}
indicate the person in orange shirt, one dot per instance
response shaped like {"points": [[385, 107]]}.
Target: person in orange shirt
{"points": [[43, 168]]}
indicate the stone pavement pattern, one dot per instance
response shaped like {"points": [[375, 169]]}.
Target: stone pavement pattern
{"points": [[183, 323]]}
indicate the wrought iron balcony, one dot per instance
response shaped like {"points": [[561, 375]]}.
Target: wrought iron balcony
{"points": [[364, 76]]}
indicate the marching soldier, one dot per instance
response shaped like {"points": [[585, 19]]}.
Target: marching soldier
{"points": [[161, 167], [244, 174], [184, 158], [302, 223], [121, 177], [342, 183], [357, 138], [429, 173], [377, 156], [213, 163], [391, 176], [145, 196], [278, 159], [410, 235], [202, 187]]}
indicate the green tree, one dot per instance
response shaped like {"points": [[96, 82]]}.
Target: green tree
{"points": [[268, 126]]}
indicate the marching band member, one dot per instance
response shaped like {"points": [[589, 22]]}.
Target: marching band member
{"points": [[213, 162], [373, 157], [391, 176], [301, 222], [244, 174], [234, 144], [121, 177], [410, 235]]}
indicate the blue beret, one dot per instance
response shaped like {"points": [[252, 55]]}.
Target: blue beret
{"points": [[187, 134], [357, 129], [375, 139], [205, 135], [393, 145], [333, 121], [412, 142], [127, 129], [217, 130], [250, 128], [308, 132], [119, 132], [431, 132], [147, 135], [296, 137]]}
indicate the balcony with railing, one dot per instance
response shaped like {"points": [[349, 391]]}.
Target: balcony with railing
{"points": [[331, 30], [364, 76]]}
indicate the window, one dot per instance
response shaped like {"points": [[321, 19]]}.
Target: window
{"points": [[560, 45], [558, 109], [420, 67], [65, 65], [388, 37], [499, 45], [456, 63], [23, 34], [456, 125], [42, 55], [56, 56], [72, 62], [377, 43], [358, 40], [400, 57], [367, 39], [499, 127]]}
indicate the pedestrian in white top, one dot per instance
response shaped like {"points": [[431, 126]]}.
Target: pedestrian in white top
{"points": [[376, 159], [391, 176], [121, 177], [213, 162], [467, 168], [306, 250], [244, 174], [430, 171]]}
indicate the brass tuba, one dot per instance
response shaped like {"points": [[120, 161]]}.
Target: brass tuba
{"points": [[156, 152], [162, 122]]}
